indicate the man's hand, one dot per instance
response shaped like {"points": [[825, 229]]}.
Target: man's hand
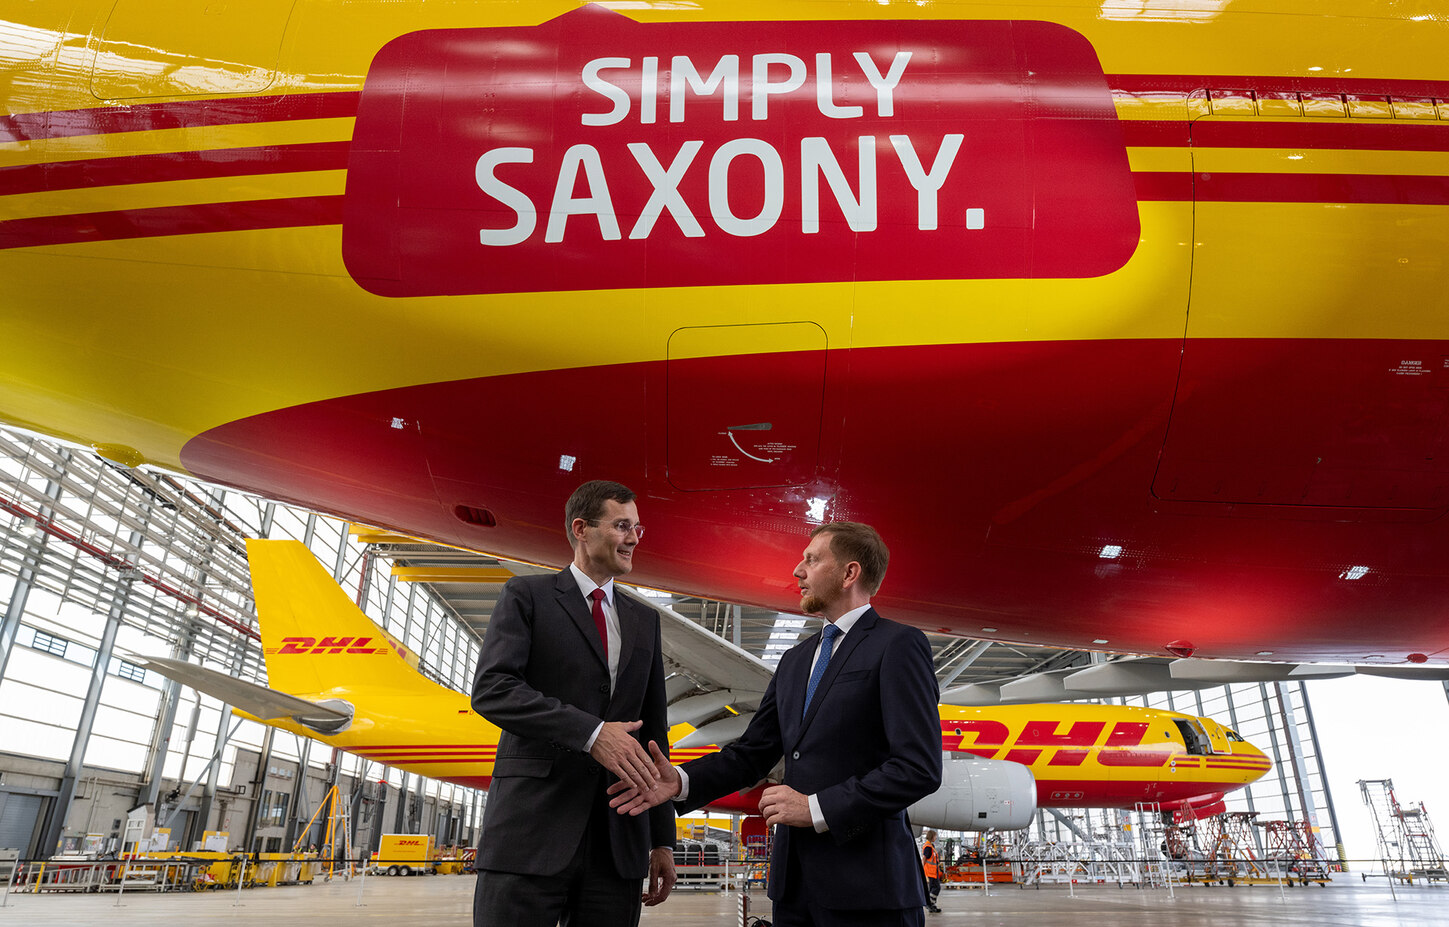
{"points": [[783, 805], [629, 799], [661, 874], [622, 755]]}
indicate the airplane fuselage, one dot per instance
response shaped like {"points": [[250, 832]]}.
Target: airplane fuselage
{"points": [[1082, 756]]}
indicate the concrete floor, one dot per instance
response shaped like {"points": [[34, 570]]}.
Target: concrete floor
{"points": [[446, 901]]}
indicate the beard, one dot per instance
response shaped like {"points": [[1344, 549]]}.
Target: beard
{"points": [[816, 603]]}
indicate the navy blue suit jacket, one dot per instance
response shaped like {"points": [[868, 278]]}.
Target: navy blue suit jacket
{"points": [[868, 748]]}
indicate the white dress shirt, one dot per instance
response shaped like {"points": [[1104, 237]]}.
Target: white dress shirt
{"points": [[845, 622], [611, 622]]}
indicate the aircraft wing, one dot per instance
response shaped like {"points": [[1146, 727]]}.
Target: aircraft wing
{"points": [[1141, 675], [724, 683], [258, 701]]}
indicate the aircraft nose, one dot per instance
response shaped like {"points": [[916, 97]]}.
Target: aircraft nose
{"points": [[1246, 751]]}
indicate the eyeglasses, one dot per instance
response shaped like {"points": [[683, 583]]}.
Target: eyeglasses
{"points": [[623, 527]]}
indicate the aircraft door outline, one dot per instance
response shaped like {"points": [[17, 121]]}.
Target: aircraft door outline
{"points": [[745, 404]]}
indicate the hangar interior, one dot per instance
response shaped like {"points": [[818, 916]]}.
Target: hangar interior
{"points": [[100, 564]]}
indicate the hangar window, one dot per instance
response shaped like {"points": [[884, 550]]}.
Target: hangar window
{"points": [[131, 671], [274, 809], [51, 644]]}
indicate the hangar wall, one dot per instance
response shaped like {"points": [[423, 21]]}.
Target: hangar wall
{"points": [[98, 562]]}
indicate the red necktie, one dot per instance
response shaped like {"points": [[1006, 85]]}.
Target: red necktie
{"points": [[598, 596]]}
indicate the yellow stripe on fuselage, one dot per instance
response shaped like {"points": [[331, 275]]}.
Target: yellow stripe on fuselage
{"points": [[1158, 160], [1320, 161], [174, 193]]}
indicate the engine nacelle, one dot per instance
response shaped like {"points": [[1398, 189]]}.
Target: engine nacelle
{"points": [[978, 794]]}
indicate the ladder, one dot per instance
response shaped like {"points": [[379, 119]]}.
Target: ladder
{"points": [[1408, 847], [1155, 868]]}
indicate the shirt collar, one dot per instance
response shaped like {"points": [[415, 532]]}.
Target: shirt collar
{"points": [[847, 621], [587, 585]]}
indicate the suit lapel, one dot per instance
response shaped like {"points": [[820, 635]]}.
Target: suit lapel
{"points": [[630, 621], [571, 600], [838, 658]]}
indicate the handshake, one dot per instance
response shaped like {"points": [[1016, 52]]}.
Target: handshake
{"points": [[634, 797], [780, 804]]}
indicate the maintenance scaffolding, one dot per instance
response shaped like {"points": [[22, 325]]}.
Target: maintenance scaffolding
{"points": [[1293, 850], [1408, 848]]}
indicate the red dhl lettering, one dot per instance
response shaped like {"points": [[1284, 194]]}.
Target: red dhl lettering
{"points": [[327, 645], [296, 644], [982, 733], [1044, 734], [409, 843], [1127, 734], [1069, 758]]}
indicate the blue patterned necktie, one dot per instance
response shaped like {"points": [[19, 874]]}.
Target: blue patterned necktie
{"points": [[831, 632]]}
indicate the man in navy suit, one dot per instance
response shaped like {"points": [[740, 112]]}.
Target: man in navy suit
{"points": [[853, 713], [574, 676]]}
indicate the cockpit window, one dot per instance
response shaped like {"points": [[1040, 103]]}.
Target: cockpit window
{"points": [[1234, 736]]}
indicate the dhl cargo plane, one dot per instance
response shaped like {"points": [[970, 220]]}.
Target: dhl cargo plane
{"points": [[1126, 321], [335, 676]]}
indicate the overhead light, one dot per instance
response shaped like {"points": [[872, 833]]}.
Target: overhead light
{"points": [[27, 529], [193, 612], [1353, 572], [1110, 552]]}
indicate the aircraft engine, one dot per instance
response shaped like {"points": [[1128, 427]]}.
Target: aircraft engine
{"points": [[978, 794]]}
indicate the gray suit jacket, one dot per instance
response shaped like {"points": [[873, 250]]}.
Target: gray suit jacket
{"points": [[543, 678]]}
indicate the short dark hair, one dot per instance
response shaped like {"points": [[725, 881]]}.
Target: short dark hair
{"points": [[852, 540], [588, 500]]}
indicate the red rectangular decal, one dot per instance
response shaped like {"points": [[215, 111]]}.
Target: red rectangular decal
{"points": [[594, 152]]}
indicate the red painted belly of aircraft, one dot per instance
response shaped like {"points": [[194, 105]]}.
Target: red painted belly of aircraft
{"points": [[1075, 793], [986, 466]]}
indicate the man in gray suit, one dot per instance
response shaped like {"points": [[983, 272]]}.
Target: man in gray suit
{"points": [[573, 675]]}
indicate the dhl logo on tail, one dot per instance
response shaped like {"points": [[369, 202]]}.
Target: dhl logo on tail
{"points": [[326, 645]]}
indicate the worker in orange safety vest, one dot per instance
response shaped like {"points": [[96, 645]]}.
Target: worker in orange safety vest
{"points": [[931, 864]]}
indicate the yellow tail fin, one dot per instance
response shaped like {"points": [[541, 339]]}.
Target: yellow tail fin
{"points": [[314, 638]]}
